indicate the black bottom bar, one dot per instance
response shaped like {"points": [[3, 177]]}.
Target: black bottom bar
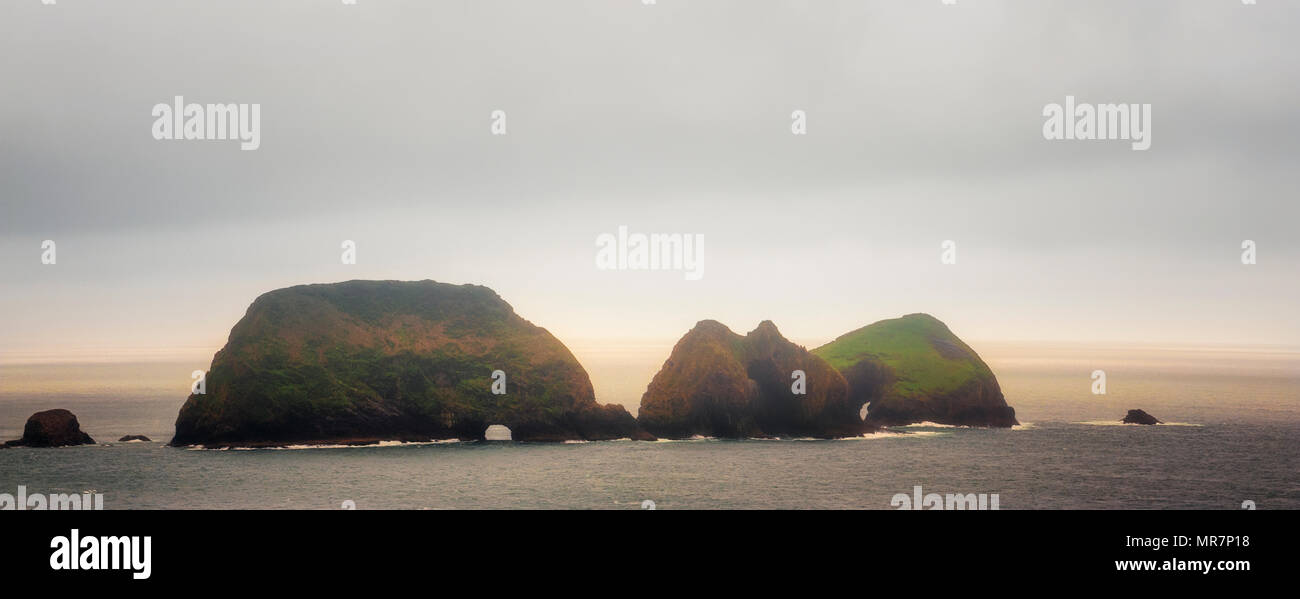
{"points": [[659, 551]]}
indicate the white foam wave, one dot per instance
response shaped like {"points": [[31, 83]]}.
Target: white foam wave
{"points": [[300, 446], [695, 438], [897, 435]]}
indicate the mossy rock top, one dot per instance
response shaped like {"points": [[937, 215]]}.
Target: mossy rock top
{"points": [[362, 361], [914, 369]]}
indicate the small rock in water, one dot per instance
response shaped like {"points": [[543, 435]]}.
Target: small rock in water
{"points": [[1139, 417], [52, 428], [129, 438], [497, 432]]}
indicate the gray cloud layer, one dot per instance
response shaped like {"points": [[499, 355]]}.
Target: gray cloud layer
{"points": [[924, 125]]}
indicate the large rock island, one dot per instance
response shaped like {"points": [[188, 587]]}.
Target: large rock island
{"points": [[717, 383], [364, 361], [913, 369]]}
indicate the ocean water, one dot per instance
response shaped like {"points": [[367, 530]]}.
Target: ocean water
{"points": [[1233, 435]]}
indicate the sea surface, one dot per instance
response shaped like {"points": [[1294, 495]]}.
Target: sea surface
{"points": [[1232, 436]]}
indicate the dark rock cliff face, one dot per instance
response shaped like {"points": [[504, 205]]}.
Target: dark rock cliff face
{"points": [[1139, 417], [364, 361], [913, 369], [719, 384], [52, 428]]}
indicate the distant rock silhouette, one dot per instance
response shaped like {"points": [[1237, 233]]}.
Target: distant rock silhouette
{"points": [[52, 428], [1139, 417], [134, 438]]}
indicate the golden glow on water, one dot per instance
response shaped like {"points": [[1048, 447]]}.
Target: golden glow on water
{"points": [[1044, 382]]}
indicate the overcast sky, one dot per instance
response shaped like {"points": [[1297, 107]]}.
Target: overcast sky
{"points": [[924, 125]]}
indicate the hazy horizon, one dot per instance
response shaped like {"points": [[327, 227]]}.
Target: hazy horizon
{"points": [[579, 345], [620, 374]]}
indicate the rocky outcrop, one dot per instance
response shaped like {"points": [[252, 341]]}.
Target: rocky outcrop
{"points": [[364, 361], [129, 438], [1139, 417], [52, 428], [913, 369], [719, 384]]}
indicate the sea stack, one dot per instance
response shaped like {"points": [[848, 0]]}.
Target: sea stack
{"points": [[717, 383], [52, 428], [366, 361], [913, 369], [1139, 417]]}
